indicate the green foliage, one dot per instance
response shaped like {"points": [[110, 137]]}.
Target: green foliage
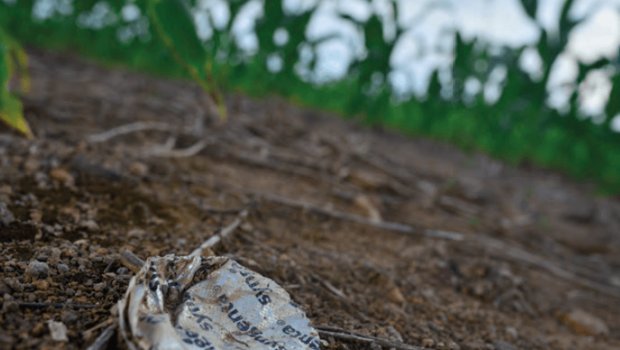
{"points": [[12, 59], [173, 23], [518, 126]]}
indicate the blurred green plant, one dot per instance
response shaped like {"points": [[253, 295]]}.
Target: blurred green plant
{"points": [[518, 125], [13, 63], [174, 24]]}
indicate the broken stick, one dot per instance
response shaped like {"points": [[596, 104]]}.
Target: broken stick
{"points": [[360, 338], [385, 225], [127, 129], [223, 233]]}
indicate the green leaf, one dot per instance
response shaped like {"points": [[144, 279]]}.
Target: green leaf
{"points": [[530, 7], [174, 25], [12, 58]]}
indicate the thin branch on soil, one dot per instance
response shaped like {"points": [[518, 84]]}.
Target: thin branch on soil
{"points": [[167, 150], [385, 225], [356, 337], [330, 287], [128, 129], [89, 332], [131, 261], [134, 263], [233, 211], [222, 234], [455, 205], [56, 305], [496, 247], [103, 339], [271, 164], [312, 175], [502, 250]]}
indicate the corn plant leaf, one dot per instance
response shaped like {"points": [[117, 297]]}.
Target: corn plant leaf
{"points": [[13, 60], [174, 24]]}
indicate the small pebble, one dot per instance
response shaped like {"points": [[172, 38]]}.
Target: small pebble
{"points": [[90, 225], [63, 176], [4, 288], [31, 165], [138, 169], [428, 342], [9, 306], [58, 330], [99, 286], [396, 296], [37, 269], [36, 216], [6, 217], [62, 268], [14, 284], [6, 190], [512, 332], [394, 334], [41, 284], [583, 323], [69, 316], [38, 329], [453, 346]]}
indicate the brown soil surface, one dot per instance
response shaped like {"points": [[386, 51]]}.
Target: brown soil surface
{"points": [[537, 266]]}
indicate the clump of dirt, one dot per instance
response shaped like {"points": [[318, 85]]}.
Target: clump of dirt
{"points": [[370, 232]]}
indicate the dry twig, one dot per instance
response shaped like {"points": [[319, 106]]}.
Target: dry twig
{"points": [[495, 247], [128, 129], [103, 339], [27, 305], [385, 225], [366, 339], [222, 234], [167, 150], [131, 261], [503, 250]]}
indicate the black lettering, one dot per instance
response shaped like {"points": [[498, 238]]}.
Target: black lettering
{"points": [[261, 340], [251, 284], [264, 299], [254, 332], [305, 338], [288, 330], [206, 326], [233, 312], [243, 326]]}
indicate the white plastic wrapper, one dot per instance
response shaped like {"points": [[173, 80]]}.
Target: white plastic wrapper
{"points": [[214, 303]]}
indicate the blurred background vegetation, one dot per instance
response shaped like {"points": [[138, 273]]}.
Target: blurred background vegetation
{"points": [[484, 97]]}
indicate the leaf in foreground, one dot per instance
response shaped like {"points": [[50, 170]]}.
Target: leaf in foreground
{"points": [[12, 59]]}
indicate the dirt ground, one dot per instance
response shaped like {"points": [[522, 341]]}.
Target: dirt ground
{"points": [[408, 240]]}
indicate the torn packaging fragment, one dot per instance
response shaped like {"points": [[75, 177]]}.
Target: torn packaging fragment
{"points": [[193, 302]]}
